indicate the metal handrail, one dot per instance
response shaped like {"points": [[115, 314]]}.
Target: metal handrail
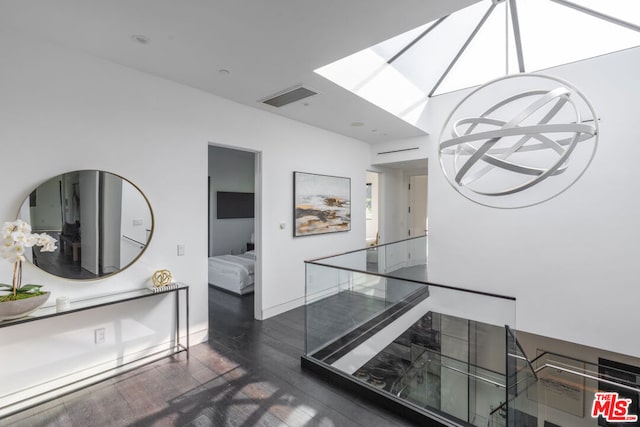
{"points": [[478, 377], [592, 377], [521, 351], [313, 261], [421, 282], [316, 261], [575, 359], [142, 245], [546, 365], [427, 352]]}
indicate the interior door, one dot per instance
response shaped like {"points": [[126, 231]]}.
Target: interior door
{"points": [[372, 208], [417, 205]]}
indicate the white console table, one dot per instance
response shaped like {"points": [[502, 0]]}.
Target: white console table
{"points": [[91, 304]]}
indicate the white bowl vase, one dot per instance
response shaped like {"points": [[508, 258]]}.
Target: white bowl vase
{"points": [[22, 307]]}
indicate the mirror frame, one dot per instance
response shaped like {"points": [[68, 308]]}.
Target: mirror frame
{"points": [[106, 276]]}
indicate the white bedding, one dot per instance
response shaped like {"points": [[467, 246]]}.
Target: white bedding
{"points": [[234, 273]]}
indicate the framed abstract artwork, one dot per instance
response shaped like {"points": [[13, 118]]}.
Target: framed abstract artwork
{"points": [[322, 204]]}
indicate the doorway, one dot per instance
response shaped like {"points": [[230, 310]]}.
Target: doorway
{"points": [[396, 201], [372, 211], [234, 226], [417, 206]]}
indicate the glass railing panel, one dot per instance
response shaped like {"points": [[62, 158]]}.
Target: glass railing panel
{"points": [[351, 298], [372, 316], [519, 409], [354, 260], [456, 387], [391, 333], [405, 259], [498, 416], [339, 301], [375, 259]]}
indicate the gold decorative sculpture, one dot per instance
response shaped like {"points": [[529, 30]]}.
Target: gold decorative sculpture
{"points": [[161, 278]]}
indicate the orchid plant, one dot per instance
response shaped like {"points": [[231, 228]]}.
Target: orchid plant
{"points": [[16, 237]]}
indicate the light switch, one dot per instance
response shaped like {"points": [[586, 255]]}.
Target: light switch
{"points": [[180, 249], [138, 221]]}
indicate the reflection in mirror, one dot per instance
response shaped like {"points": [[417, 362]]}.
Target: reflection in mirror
{"points": [[102, 223]]}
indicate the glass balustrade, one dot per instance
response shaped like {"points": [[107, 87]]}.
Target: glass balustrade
{"points": [[446, 354], [518, 409], [374, 319]]}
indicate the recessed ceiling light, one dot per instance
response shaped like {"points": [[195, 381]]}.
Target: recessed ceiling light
{"points": [[357, 124], [141, 39]]}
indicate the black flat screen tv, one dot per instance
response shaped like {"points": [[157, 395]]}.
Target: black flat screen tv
{"points": [[234, 205]]}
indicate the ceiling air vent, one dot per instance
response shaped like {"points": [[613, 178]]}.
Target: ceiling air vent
{"points": [[291, 95], [400, 150]]}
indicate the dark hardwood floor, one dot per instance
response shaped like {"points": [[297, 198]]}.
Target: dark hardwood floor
{"points": [[248, 374], [62, 264]]}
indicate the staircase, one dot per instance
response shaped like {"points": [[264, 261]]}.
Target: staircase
{"points": [[558, 390]]}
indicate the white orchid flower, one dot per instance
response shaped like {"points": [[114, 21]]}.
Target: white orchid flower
{"points": [[19, 248], [7, 228], [19, 236], [47, 242], [16, 237], [30, 240], [23, 226]]}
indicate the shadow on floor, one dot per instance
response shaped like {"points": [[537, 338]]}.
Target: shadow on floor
{"points": [[247, 374]]}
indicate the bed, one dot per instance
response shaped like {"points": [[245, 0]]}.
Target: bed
{"points": [[233, 273]]}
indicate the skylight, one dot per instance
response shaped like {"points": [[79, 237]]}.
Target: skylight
{"points": [[482, 42]]}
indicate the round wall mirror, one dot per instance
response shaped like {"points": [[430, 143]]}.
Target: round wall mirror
{"points": [[102, 223]]}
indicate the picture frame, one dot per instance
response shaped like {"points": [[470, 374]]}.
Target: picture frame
{"points": [[321, 204]]}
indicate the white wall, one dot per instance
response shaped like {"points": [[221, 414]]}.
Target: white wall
{"points": [[571, 262], [62, 111], [230, 170]]}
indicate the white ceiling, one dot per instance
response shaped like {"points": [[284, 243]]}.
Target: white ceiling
{"points": [[267, 46]]}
